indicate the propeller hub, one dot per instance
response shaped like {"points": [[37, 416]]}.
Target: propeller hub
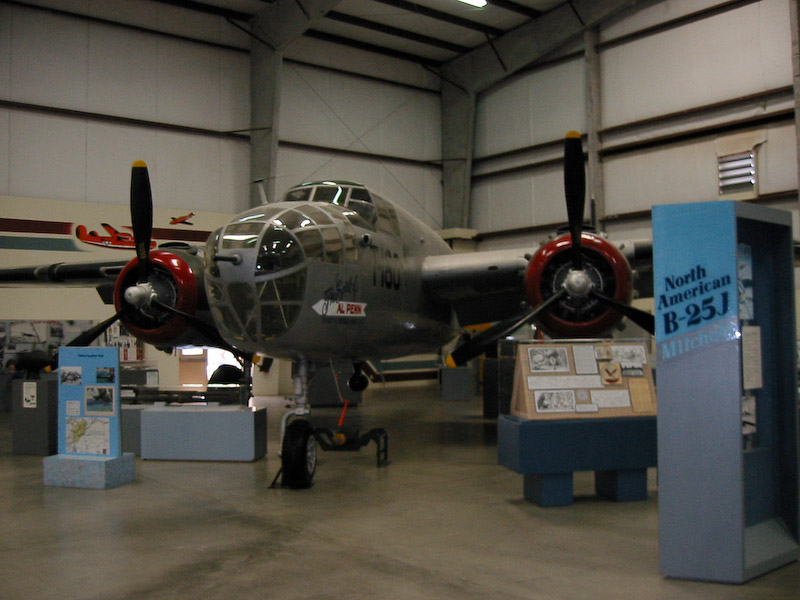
{"points": [[578, 283], [140, 295]]}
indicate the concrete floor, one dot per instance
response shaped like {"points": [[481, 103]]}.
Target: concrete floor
{"points": [[442, 521]]}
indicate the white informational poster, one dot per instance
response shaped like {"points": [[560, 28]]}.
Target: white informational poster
{"points": [[29, 397], [751, 357]]}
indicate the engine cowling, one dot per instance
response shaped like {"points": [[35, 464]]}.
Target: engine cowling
{"points": [[577, 314], [176, 278]]}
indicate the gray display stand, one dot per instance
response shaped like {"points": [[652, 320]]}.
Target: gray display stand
{"points": [[5, 391], [459, 384], [34, 423], [727, 394], [204, 433], [131, 424], [90, 472], [498, 385]]}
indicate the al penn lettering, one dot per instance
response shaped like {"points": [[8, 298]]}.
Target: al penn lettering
{"points": [[340, 308]]}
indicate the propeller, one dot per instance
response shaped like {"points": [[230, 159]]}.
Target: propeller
{"points": [[575, 192], [139, 297], [141, 204], [143, 294], [481, 342], [577, 284], [643, 319], [87, 337], [142, 216]]}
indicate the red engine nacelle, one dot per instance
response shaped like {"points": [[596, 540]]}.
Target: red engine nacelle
{"points": [[177, 284], [585, 316]]}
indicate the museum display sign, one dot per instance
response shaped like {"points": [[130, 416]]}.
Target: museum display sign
{"points": [[727, 390], [89, 412]]}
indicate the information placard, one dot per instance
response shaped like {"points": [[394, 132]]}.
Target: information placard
{"points": [[583, 379], [88, 402]]}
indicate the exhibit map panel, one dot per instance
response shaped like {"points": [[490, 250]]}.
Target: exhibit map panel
{"points": [[584, 379], [88, 402]]}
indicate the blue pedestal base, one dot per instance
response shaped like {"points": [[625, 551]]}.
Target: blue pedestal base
{"points": [[546, 453], [98, 473]]}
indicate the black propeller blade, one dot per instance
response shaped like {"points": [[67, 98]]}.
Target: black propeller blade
{"points": [[87, 337], [209, 331], [90, 335], [141, 216], [483, 341], [643, 319], [575, 191]]}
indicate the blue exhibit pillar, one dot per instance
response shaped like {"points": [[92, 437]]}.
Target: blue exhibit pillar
{"points": [[727, 394]]}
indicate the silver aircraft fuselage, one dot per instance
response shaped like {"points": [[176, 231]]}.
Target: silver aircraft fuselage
{"points": [[320, 279]]}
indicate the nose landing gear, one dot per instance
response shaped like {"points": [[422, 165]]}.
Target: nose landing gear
{"points": [[298, 454], [299, 439]]}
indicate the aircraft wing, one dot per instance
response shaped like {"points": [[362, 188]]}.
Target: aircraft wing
{"points": [[482, 286], [76, 274], [100, 275], [489, 286]]}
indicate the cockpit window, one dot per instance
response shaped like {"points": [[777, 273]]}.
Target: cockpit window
{"points": [[334, 249], [360, 193], [354, 197], [311, 240], [279, 250], [329, 193], [260, 213], [298, 195], [387, 217], [241, 235], [356, 219], [317, 215]]}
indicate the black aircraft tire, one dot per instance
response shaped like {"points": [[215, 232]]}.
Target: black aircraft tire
{"points": [[299, 454]]}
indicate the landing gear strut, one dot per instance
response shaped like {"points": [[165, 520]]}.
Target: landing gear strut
{"points": [[298, 444], [299, 439]]}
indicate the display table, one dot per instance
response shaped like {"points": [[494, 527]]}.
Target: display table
{"points": [[546, 453], [204, 433]]}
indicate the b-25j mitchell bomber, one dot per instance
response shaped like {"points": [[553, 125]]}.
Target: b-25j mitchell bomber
{"points": [[335, 271]]}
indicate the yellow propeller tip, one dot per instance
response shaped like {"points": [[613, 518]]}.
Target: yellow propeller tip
{"points": [[573, 134], [450, 362], [140, 163]]}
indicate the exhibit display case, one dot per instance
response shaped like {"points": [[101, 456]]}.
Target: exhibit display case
{"points": [[727, 390], [580, 405]]}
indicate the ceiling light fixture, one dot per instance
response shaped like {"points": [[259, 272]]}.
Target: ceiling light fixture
{"points": [[475, 3]]}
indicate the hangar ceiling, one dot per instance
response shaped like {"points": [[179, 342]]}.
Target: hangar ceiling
{"points": [[429, 32]]}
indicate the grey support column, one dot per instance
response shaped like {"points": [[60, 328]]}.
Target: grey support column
{"points": [[273, 28], [467, 75]]}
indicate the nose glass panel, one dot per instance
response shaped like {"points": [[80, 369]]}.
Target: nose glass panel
{"points": [[259, 297], [279, 250], [253, 306]]}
